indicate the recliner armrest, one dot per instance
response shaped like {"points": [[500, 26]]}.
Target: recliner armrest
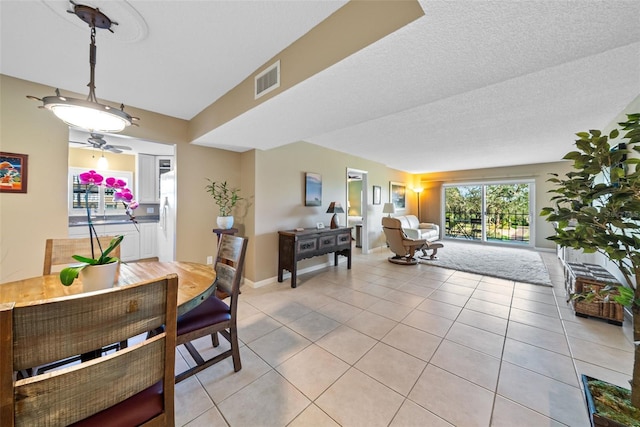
{"points": [[411, 233]]}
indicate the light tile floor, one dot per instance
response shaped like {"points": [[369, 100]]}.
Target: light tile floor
{"points": [[389, 345]]}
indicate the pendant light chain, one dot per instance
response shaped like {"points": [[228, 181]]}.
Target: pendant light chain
{"points": [[92, 66]]}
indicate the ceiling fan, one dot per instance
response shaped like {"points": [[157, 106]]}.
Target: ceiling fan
{"points": [[97, 141]]}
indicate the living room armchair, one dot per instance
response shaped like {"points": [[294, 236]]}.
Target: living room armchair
{"points": [[403, 246]]}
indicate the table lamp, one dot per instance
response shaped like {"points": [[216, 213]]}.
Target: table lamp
{"points": [[389, 209], [335, 208]]}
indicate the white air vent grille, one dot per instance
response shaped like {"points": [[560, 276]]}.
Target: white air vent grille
{"points": [[268, 80]]}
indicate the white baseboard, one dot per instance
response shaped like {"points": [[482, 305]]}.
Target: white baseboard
{"points": [[287, 275]]}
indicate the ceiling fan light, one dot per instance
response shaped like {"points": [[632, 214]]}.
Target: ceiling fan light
{"points": [[88, 115], [103, 163]]}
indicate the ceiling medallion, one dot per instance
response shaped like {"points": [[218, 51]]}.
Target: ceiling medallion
{"points": [[89, 114]]}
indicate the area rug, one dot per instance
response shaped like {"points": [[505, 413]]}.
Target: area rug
{"points": [[518, 264]]}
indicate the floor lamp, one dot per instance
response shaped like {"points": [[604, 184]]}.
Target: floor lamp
{"points": [[418, 191]]}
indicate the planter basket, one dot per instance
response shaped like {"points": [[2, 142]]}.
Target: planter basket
{"points": [[596, 419], [605, 310], [590, 277]]}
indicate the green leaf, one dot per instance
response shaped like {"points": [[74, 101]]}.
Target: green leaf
{"points": [[81, 258], [69, 274]]}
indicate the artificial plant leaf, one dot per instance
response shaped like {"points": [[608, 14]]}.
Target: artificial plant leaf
{"points": [[69, 274]]}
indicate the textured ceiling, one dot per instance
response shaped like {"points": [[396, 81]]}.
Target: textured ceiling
{"points": [[470, 84]]}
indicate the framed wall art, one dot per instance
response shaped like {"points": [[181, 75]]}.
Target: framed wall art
{"points": [[312, 189], [377, 194], [13, 172], [398, 195]]}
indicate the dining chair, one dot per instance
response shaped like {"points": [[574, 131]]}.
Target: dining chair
{"points": [[59, 252], [130, 387], [213, 315]]}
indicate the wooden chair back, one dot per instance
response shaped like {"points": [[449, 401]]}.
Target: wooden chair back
{"points": [[229, 267], [40, 333], [59, 252]]}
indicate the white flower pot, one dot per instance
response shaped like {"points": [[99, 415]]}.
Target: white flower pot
{"points": [[96, 277], [225, 222]]}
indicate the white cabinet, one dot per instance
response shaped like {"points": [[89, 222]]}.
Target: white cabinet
{"points": [[146, 178], [150, 168], [148, 240], [130, 246]]}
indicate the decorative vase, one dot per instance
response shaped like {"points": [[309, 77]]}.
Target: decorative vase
{"points": [[96, 277], [225, 222]]}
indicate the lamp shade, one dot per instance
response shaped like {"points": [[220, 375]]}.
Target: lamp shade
{"points": [[335, 207], [388, 208]]}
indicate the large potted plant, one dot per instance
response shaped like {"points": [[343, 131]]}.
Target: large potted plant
{"points": [[226, 198], [597, 209]]}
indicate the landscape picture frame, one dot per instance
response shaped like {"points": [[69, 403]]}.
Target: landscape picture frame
{"points": [[312, 189], [398, 195], [13, 172], [377, 194]]}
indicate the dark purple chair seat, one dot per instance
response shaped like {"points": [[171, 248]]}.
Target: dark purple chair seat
{"points": [[210, 311], [134, 411]]}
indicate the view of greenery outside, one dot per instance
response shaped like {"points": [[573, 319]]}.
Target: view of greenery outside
{"points": [[507, 212]]}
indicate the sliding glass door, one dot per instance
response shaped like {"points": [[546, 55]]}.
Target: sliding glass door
{"points": [[489, 212]]}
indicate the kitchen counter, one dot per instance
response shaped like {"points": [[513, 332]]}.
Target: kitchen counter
{"points": [[77, 221]]}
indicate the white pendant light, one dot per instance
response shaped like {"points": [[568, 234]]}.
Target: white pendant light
{"points": [[103, 163], [88, 114]]}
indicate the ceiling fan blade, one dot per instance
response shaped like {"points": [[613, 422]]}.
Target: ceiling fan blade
{"points": [[121, 147], [112, 149], [79, 142]]}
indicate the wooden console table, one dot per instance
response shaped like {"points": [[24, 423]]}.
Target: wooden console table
{"points": [[296, 245]]}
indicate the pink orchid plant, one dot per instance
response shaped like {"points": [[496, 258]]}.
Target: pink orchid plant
{"points": [[122, 194]]}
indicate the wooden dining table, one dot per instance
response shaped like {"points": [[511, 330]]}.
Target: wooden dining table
{"points": [[195, 283]]}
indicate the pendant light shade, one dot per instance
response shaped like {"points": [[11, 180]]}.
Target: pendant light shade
{"points": [[89, 114]]}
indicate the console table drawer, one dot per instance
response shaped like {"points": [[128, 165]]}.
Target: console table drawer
{"points": [[326, 241], [344, 239], [307, 245]]}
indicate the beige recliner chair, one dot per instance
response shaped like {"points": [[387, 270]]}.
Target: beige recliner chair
{"points": [[403, 246]]}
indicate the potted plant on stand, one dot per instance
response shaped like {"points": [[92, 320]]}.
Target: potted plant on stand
{"points": [[226, 198], [597, 209]]}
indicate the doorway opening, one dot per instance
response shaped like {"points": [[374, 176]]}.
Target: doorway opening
{"points": [[497, 212], [357, 203]]}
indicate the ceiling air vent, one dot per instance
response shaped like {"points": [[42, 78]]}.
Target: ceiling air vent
{"points": [[268, 80]]}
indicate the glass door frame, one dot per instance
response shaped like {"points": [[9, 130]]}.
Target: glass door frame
{"points": [[483, 233]]}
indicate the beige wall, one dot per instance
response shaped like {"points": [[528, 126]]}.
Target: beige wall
{"points": [[27, 220], [430, 199], [279, 197]]}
